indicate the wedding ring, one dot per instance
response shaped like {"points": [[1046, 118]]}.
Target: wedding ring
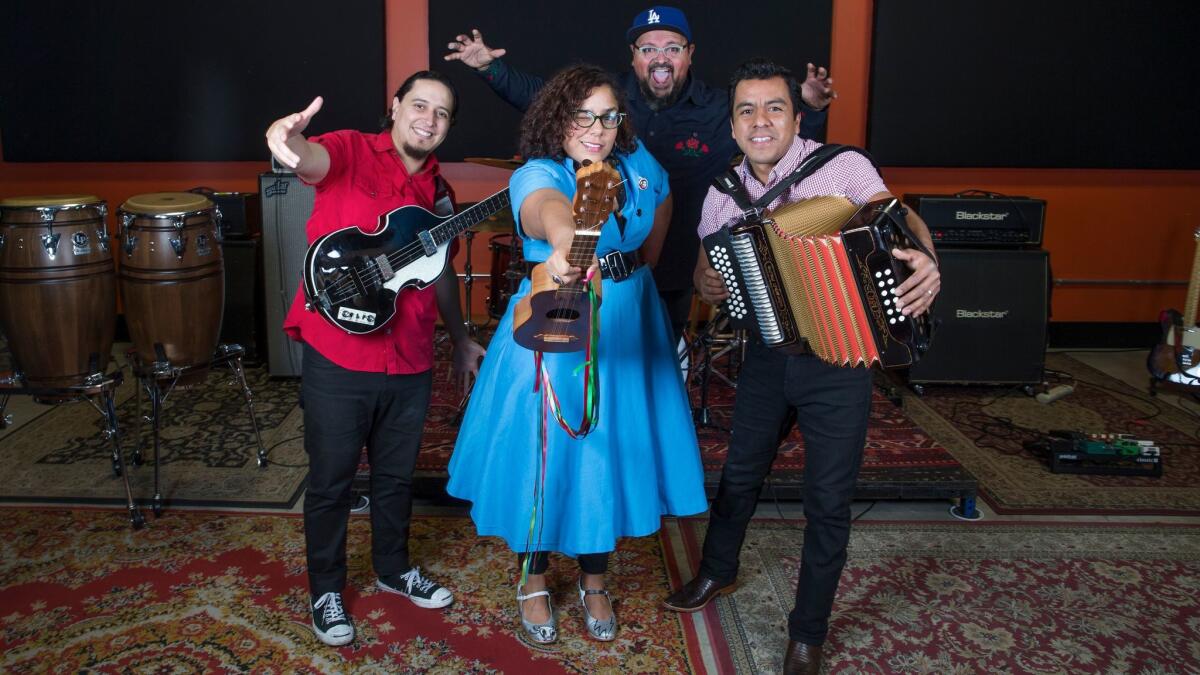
{"points": [[556, 279]]}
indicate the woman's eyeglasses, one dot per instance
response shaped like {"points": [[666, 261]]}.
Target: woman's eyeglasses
{"points": [[584, 119]]}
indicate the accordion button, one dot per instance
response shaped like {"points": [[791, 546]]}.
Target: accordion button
{"points": [[901, 317], [891, 321]]}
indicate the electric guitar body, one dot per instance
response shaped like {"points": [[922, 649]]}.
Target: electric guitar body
{"points": [[352, 278]]}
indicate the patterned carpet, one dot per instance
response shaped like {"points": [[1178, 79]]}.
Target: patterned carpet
{"points": [[966, 598], [207, 447], [211, 592], [988, 429]]}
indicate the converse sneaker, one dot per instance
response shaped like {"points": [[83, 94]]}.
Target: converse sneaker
{"points": [[424, 592], [330, 621]]}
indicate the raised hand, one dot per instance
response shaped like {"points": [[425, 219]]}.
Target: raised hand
{"points": [[817, 89], [472, 50], [286, 128]]}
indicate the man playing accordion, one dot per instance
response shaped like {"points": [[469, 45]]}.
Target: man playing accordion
{"points": [[831, 403]]}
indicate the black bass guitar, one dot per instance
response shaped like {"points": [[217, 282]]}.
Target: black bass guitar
{"points": [[352, 278]]}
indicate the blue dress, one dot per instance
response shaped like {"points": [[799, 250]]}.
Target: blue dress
{"points": [[641, 460]]}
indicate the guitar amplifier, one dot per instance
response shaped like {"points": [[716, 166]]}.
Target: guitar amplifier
{"points": [[286, 205], [981, 221]]}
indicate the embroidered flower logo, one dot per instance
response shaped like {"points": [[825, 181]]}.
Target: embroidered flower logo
{"points": [[692, 147]]}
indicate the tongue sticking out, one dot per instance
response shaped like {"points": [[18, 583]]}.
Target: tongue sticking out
{"points": [[660, 76]]}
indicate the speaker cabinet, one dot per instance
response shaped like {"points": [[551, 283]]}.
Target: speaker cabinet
{"points": [[241, 215], [993, 308], [286, 205], [243, 322]]}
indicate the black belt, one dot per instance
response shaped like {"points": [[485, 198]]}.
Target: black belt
{"points": [[616, 265]]}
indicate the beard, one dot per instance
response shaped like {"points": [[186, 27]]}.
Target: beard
{"points": [[656, 102], [416, 153]]}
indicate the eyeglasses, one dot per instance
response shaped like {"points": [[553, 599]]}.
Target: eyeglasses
{"points": [[649, 51], [584, 119]]}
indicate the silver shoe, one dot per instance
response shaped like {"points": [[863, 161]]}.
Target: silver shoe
{"points": [[606, 630], [541, 633]]}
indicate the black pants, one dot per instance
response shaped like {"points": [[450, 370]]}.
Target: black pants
{"points": [[589, 563], [832, 407], [344, 410], [679, 306]]}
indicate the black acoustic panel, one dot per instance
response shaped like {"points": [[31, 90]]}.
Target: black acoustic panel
{"points": [[992, 313], [1027, 83], [143, 80], [543, 37]]}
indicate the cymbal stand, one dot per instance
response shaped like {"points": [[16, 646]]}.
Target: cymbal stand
{"points": [[100, 391], [158, 380], [468, 283], [707, 341]]}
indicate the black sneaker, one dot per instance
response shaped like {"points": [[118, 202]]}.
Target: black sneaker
{"points": [[330, 621], [422, 591]]}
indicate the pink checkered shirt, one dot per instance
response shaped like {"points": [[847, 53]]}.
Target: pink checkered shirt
{"points": [[849, 174]]}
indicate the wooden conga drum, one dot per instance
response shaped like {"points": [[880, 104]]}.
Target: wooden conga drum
{"points": [[57, 287], [172, 279]]}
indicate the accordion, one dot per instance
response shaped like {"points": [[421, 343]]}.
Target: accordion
{"points": [[818, 276]]}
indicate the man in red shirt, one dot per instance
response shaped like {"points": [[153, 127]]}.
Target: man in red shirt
{"points": [[370, 389]]}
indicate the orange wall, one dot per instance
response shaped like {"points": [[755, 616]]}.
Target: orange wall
{"points": [[1099, 224]]}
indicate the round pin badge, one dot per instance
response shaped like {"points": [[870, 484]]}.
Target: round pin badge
{"points": [[643, 183]]}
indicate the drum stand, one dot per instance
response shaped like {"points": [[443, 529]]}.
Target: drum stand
{"points": [[715, 345], [100, 391], [158, 380]]}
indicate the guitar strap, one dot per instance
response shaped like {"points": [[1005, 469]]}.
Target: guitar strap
{"points": [[443, 199]]}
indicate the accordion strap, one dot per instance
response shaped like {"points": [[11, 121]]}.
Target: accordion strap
{"points": [[729, 183]]}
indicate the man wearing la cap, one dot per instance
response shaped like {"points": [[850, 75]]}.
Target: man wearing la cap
{"points": [[680, 119]]}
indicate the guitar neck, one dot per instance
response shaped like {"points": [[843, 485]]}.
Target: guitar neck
{"points": [[1193, 292], [456, 225]]}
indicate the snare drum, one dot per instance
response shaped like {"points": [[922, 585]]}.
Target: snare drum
{"points": [[173, 279], [507, 271], [57, 287]]}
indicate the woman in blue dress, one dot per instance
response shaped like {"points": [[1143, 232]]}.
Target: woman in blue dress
{"points": [[641, 459]]}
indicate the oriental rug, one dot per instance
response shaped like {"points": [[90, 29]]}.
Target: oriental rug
{"points": [[218, 592], [965, 598]]}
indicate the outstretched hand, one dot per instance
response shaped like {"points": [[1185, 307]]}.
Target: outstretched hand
{"points": [[817, 90], [472, 50], [289, 127]]}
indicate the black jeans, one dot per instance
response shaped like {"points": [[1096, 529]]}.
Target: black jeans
{"points": [[343, 411], [832, 407], [589, 563]]}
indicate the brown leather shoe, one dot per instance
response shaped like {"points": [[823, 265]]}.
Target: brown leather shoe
{"points": [[802, 659], [696, 594]]}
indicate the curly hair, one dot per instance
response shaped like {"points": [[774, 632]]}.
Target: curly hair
{"points": [[549, 117]]}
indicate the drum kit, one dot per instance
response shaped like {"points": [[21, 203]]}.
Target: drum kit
{"points": [[507, 263], [58, 290]]}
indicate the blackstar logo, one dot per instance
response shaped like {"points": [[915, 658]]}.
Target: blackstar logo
{"points": [[980, 314], [356, 315], [979, 215]]}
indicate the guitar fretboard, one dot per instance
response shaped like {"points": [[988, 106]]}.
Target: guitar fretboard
{"points": [[463, 221]]}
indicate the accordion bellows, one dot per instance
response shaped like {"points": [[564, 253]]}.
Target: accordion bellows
{"points": [[818, 275]]}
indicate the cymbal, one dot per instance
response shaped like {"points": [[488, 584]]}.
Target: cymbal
{"points": [[500, 222], [510, 164]]}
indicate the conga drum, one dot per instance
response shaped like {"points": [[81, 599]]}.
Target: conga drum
{"points": [[172, 279], [57, 288], [507, 270]]}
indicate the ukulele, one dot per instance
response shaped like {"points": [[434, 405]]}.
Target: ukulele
{"points": [[1176, 358], [353, 278], [554, 318]]}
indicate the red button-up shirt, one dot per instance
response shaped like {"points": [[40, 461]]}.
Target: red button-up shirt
{"points": [[366, 180]]}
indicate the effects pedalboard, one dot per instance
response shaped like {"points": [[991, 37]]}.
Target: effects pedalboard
{"points": [[1108, 454]]}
